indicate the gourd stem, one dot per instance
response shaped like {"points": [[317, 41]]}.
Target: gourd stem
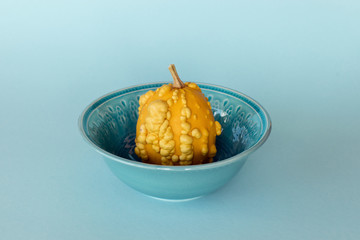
{"points": [[177, 82]]}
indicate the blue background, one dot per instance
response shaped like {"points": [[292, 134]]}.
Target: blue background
{"points": [[299, 59]]}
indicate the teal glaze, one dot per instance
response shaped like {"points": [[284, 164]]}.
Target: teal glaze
{"points": [[109, 125]]}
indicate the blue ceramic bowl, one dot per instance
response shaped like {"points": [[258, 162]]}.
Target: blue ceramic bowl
{"points": [[109, 126]]}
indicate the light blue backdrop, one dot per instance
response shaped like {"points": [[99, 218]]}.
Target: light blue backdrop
{"points": [[299, 59]]}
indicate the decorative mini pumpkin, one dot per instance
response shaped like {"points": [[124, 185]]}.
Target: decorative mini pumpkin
{"points": [[176, 125]]}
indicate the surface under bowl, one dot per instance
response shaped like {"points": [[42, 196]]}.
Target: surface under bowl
{"points": [[109, 125]]}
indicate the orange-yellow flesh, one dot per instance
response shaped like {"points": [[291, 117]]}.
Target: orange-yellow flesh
{"points": [[176, 127]]}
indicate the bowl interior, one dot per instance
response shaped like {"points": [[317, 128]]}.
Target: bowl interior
{"points": [[110, 122]]}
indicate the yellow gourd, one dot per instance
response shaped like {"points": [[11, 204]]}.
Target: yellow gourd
{"points": [[176, 125]]}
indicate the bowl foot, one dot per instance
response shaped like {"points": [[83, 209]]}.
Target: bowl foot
{"points": [[175, 200]]}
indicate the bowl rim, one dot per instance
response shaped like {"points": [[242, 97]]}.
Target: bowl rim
{"points": [[221, 163]]}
